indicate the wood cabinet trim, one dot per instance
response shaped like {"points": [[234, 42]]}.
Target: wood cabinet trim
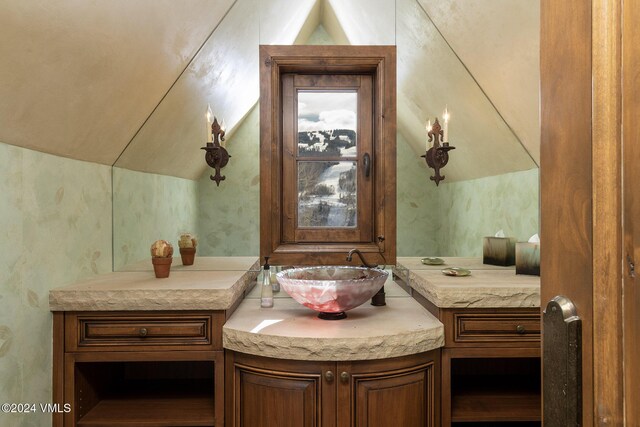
{"points": [[481, 320], [122, 331], [485, 327]]}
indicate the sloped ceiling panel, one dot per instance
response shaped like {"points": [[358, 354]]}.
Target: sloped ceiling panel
{"points": [[282, 21], [499, 41], [225, 75], [430, 77], [364, 22], [78, 78]]}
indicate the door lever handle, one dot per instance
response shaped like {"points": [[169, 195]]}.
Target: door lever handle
{"points": [[366, 162]]}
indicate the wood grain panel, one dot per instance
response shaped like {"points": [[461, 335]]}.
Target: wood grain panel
{"points": [[309, 395], [631, 178], [491, 327], [566, 166], [144, 331], [395, 400], [272, 401], [607, 212], [397, 391], [496, 327]]}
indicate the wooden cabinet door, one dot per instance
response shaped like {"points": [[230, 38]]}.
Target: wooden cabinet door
{"points": [[381, 394], [284, 394]]}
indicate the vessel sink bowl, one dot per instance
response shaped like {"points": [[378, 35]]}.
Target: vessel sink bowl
{"points": [[332, 290]]}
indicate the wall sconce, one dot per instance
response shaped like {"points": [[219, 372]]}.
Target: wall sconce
{"points": [[216, 155], [437, 156]]}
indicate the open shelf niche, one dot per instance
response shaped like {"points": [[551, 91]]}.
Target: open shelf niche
{"points": [[118, 394]]}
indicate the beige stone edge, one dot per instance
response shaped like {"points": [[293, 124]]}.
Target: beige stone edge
{"points": [[471, 296], [147, 300], [334, 349]]}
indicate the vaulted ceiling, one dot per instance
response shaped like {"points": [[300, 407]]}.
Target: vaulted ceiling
{"points": [[127, 82]]}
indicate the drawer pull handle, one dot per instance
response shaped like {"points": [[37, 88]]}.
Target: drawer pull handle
{"points": [[329, 376], [143, 332], [344, 377], [520, 329]]}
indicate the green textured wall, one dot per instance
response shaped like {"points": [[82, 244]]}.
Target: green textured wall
{"points": [[418, 217], [148, 207], [229, 215], [449, 220], [470, 210], [55, 228]]}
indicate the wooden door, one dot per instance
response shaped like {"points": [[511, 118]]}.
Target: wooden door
{"points": [[581, 186], [278, 393], [381, 393], [631, 187]]}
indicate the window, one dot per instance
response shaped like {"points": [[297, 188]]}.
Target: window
{"points": [[327, 153]]}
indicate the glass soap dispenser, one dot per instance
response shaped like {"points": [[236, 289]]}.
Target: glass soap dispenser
{"points": [[266, 293], [274, 280]]}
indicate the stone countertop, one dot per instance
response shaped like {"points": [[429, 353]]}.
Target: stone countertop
{"points": [[209, 263], [470, 263], [292, 331], [484, 288], [182, 290]]}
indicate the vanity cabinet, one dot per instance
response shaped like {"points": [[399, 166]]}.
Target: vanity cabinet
{"points": [[139, 368], [270, 392], [490, 365]]}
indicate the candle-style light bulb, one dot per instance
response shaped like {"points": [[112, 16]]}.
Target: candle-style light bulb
{"points": [[209, 116], [223, 128], [446, 116], [428, 128]]}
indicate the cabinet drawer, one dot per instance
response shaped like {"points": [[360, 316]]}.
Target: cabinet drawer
{"points": [[136, 331], [496, 327]]}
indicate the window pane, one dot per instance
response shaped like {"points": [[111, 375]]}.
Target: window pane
{"points": [[327, 123], [327, 194]]}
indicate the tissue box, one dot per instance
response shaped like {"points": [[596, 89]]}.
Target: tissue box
{"points": [[528, 258], [499, 251]]}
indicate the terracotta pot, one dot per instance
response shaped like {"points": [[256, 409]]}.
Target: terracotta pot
{"points": [[188, 255], [161, 266]]}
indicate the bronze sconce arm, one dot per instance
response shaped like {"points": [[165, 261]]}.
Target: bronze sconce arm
{"points": [[437, 156], [216, 155]]}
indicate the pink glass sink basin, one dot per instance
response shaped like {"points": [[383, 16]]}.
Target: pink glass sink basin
{"points": [[332, 290]]}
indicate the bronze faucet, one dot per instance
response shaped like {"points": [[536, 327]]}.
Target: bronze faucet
{"points": [[378, 299], [357, 252]]}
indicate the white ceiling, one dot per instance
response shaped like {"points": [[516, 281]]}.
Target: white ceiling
{"points": [[85, 79]]}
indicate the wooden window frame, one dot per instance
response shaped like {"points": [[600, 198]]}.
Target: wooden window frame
{"points": [[378, 61], [362, 86]]}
